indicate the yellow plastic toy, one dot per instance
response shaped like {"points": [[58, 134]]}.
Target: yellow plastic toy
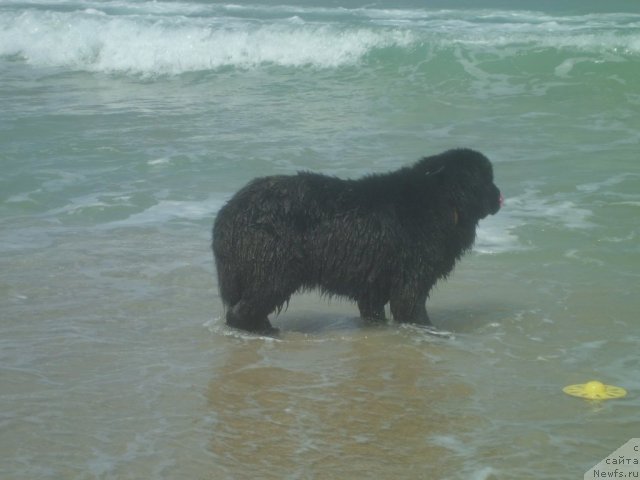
{"points": [[595, 390]]}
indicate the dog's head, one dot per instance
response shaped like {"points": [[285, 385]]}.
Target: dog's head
{"points": [[467, 179]]}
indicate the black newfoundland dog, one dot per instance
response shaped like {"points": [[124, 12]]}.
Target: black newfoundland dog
{"points": [[378, 239]]}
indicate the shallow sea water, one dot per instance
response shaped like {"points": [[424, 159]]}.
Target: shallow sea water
{"points": [[125, 125]]}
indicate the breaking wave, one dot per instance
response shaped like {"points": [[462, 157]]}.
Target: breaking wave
{"points": [[156, 38]]}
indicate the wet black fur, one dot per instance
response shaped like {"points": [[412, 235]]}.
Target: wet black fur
{"points": [[378, 239]]}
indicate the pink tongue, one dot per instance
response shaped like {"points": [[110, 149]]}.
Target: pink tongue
{"points": [[501, 200]]}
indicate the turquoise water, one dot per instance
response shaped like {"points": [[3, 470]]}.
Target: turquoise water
{"points": [[125, 125]]}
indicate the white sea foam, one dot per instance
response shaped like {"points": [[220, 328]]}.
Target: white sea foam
{"points": [[152, 38], [499, 233], [159, 161], [167, 210], [606, 184], [495, 235], [554, 209], [88, 40], [109, 207]]}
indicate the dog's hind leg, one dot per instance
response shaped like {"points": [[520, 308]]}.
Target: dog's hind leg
{"points": [[251, 316], [252, 311], [372, 309]]}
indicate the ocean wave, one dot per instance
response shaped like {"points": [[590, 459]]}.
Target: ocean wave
{"points": [[500, 233], [93, 41], [553, 209], [151, 38]]}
